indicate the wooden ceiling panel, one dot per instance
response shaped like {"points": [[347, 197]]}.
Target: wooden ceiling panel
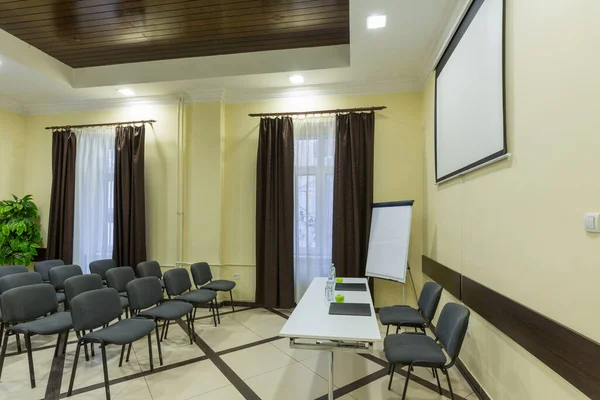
{"points": [[88, 33]]}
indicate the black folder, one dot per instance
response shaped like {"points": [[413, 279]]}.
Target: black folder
{"points": [[350, 287], [358, 309]]}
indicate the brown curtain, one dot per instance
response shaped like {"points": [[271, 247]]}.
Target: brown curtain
{"points": [[275, 213], [352, 192], [62, 198], [130, 203]]}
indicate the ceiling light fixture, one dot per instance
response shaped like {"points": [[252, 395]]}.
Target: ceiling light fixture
{"points": [[376, 21], [297, 79], [126, 92]]}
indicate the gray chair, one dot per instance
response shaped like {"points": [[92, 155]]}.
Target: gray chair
{"points": [[12, 269], [14, 281], [58, 275], [44, 267], [144, 293], [419, 350], [26, 307], [177, 282], [203, 279], [406, 316], [118, 278], [101, 266], [150, 268], [80, 284], [97, 308]]}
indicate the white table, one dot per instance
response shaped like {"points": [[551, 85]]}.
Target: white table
{"points": [[311, 327]]}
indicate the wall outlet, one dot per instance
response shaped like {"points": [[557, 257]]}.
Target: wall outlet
{"points": [[591, 222], [236, 277]]}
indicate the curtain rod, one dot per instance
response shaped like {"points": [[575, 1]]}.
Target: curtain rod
{"points": [[145, 121], [337, 111]]}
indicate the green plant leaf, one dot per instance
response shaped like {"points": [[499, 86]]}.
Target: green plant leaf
{"points": [[14, 244], [5, 230]]}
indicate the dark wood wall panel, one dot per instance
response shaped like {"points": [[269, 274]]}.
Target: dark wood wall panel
{"points": [[448, 278], [88, 33], [575, 357]]}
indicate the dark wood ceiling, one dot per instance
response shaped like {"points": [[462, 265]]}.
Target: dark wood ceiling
{"points": [[87, 33]]}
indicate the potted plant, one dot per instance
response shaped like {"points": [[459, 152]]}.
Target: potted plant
{"points": [[19, 231]]}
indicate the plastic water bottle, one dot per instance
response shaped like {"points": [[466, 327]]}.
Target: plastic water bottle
{"points": [[332, 272], [329, 291]]}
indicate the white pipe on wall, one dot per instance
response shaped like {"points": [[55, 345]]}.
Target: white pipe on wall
{"points": [[180, 175]]}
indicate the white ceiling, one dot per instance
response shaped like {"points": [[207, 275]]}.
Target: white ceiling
{"points": [[395, 58]]}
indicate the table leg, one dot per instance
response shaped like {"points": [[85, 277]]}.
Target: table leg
{"points": [[330, 396]]}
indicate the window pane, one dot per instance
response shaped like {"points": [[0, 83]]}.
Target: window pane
{"points": [[306, 212]]}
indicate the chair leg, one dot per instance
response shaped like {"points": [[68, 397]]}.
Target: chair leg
{"points": [[231, 296], [194, 317], [57, 345], [18, 343], [128, 353], [449, 384], [3, 354], [218, 312], [30, 360], [438, 379], [158, 345], [190, 327], [150, 351], [122, 354], [387, 331], [392, 368], [397, 329], [74, 368], [92, 346], [1, 331], [406, 383], [105, 368], [214, 313], [162, 333], [167, 330], [65, 343]]}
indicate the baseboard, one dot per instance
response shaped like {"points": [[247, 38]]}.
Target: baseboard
{"points": [[473, 383]]}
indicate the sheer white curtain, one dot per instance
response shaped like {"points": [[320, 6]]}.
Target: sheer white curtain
{"points": [[314, 147], [94, 195]]}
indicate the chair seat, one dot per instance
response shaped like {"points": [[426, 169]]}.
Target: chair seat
{"points": [[221, 285], [54, 323], [401, 316], [168, 310], [124, 301], [60, 297], [123, 332], [407, 348], [198, 296]]}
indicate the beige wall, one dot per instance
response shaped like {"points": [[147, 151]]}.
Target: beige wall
{"points": [[12, 154], [517, 226], [398, 175]]}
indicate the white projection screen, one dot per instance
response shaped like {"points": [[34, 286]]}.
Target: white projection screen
{"points": [[469, 101]]}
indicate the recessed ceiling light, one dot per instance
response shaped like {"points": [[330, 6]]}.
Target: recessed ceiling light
{"points": [[376, 21], [297, 79], [126, 92]]}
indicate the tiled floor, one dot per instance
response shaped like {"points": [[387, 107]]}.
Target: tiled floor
{"points": [[241, 358]]}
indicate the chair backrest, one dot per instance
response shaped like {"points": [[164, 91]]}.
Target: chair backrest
{"points": [[201, 273], [43, 267], [76, 285], [58, 275], [452, 327], [27, 303], [118, 278], [144, 292], [95, 308], [12, 269], [429, 300], [101, 266], [149, 268], [177, 281], [17, 280]]}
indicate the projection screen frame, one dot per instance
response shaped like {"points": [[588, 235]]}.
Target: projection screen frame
{"points": [[452, 43]]}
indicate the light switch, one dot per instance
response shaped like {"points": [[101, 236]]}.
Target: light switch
{"points": [[591, 222]]}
